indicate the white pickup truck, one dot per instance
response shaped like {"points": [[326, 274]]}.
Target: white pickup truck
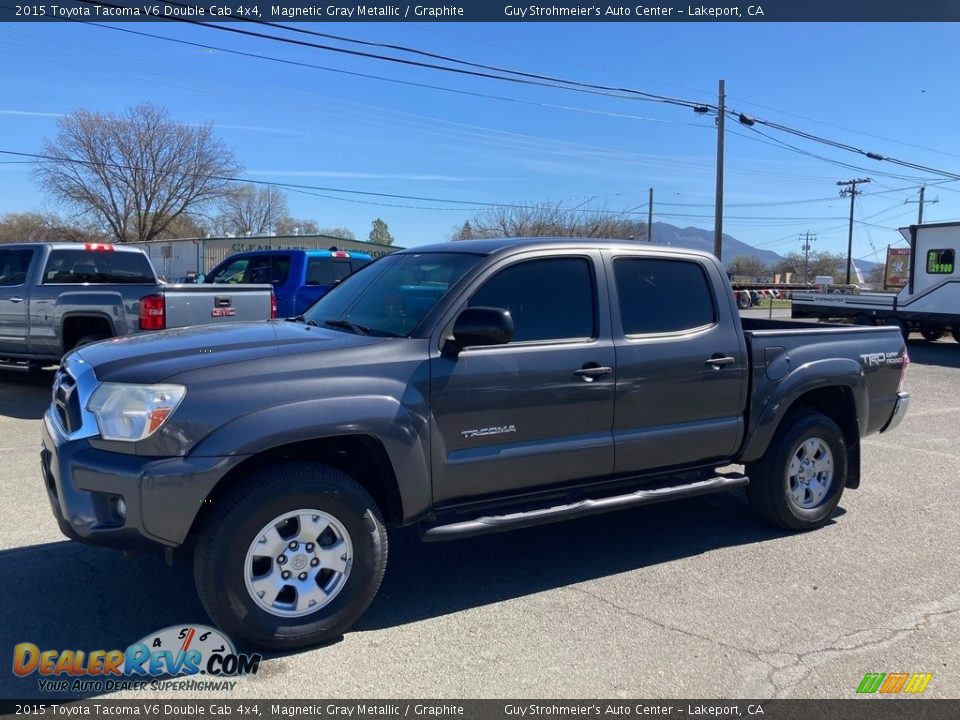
{"points": [[928, 303], [57, 296]]}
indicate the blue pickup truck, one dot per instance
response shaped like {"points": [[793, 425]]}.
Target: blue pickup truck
{"points": [[299, 277]]}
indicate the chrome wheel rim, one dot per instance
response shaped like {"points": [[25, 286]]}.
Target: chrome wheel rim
{"points": [[810, 473], [298, 562]]}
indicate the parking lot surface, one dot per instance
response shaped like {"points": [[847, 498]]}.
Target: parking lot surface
{"points": [[690, 599]]}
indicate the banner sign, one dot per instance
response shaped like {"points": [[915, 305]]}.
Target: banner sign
{"points": [[897, 272]]}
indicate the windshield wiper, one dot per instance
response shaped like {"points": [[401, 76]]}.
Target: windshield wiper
{"points": [[352, 327], [301, 318]]}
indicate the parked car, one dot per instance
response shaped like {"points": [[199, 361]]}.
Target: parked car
{"points": [[465, 388], [299, 277], [57, 296]]}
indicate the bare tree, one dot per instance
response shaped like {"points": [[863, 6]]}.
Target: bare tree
{"points": [[136, 173], [550, 220], [296, 226], [251, 210], [818, 263], [44, 227], [747, 266], [185, 226]]}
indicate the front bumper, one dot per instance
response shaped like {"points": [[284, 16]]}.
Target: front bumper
{"points": [[162, 497], [899, 410]]}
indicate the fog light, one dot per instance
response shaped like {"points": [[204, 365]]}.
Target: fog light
{"points": [[121, 508]]}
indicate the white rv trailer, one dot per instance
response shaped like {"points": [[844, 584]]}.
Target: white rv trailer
{"points": [[928, 303]]}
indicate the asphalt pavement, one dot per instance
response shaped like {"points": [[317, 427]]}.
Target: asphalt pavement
{"points": [[691, 599]]}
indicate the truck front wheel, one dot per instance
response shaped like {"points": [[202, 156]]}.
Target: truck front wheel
{"points": [[292, 558], [798, 482]]}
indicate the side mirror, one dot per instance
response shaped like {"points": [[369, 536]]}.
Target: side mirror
{"points": [[482, 326]]}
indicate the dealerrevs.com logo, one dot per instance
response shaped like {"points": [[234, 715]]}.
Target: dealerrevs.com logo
{"points": [[894, 683], [159, 661]]}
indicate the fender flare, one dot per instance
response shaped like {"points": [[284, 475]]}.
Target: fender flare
{"points": [[835, 372], [382, 418]]}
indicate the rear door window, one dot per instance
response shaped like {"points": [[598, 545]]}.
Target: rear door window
{"points": [[97, 266], [14, 265], [662, 296]]}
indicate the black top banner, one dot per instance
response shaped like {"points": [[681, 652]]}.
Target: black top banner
{"points": [[851, 11]]}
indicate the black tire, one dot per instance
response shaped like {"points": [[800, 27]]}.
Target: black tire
{"points": [[932, 333], [769, 489], [743, 300], [220, 557]]}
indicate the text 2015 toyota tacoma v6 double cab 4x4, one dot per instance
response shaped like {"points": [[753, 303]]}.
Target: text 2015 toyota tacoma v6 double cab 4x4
{"points": [[467, 387]]}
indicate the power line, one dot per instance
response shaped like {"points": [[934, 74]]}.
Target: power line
{"points": [[749, 121], [300, 186], [543, 81]]}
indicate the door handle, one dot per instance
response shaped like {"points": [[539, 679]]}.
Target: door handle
{"points": [[16, 299], [591, 370], [719, 362]]}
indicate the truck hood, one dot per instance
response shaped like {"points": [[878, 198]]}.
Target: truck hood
{"points": [[155, 356]]}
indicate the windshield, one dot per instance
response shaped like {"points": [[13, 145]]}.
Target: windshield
{"points": [[391, 296]]}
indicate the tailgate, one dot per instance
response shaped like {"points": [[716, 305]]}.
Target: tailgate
{"points": [[204, 304]]}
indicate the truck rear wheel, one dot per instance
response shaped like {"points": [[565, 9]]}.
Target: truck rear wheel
{"points": [[932, 333], [292, 558], [798, 482]]}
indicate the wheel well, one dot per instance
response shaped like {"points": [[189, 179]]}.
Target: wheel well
{"points": [[362, 457], [75, 328], [838, 404]]}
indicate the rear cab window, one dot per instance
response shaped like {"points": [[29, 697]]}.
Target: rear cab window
{"points": [[98, 266], [663, 295], [328, 270]]}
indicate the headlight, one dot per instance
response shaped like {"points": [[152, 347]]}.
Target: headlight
{"points": [[133, 412]]}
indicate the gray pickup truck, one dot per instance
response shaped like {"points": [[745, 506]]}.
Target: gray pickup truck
{"points": [[57, 296], [467, 388]]}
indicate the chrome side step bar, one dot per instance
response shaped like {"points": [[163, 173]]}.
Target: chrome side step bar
{"points": [[581, 508]]}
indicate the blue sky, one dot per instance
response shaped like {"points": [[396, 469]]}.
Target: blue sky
{"points": [[887, 88]]}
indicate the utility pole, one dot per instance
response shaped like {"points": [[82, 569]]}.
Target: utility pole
{"points": [[923, 189], [807, 239], [718, 211], [650, 217], [850, 190]]}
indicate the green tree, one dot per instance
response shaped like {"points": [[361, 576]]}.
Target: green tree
{"points": [[380, 234]]}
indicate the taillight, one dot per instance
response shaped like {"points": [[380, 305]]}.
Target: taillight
{"points": [[903, 368], [153, 313], [273, 306]]}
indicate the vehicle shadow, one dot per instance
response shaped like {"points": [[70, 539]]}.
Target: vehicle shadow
{"points": [[944, 353], [25, 396], [66, 595]]}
